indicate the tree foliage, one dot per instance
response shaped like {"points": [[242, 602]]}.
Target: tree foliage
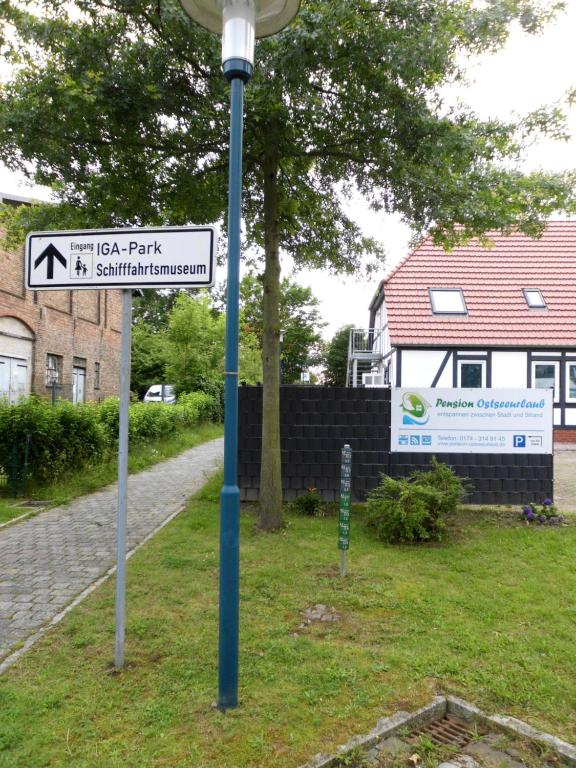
{"points": [[121, 107], [336, 358], [153, 307], [195, 344], [149, 358], [300, 322]]}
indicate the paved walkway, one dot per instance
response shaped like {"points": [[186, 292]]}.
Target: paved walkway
{"points": [[47, 560], [565, 478]]}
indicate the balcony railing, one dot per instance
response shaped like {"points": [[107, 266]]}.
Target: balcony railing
{"points": [[365, 343]]}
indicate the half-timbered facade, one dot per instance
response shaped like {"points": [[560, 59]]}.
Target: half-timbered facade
{"points": [[498, 316]]}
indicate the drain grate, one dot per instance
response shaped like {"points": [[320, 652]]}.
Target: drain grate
{"points": [[449, 731]]}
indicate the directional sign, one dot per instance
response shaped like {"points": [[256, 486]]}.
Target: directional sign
{"points": [[121, 258]]}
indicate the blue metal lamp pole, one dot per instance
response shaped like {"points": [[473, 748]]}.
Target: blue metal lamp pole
{"points": [[237, 72], [239, 22]]}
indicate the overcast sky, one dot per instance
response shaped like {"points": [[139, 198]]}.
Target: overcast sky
{"points": [[529, 72]]}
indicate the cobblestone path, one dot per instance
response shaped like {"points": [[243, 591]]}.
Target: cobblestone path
{"points": [[47, 560], [565, 478]]}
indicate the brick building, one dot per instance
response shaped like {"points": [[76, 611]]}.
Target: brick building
{"points": [[67, 341]]}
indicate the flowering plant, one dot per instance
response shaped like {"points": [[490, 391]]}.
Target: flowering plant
{"points": [[542, 514]]}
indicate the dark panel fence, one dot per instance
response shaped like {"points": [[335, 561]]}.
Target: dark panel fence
{"points": [[317, 421]]}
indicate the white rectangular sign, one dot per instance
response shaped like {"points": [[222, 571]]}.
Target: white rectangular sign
{"points": [[426, 420], [158, 257]]}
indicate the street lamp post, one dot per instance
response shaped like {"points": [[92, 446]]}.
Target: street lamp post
{"points": [[239, 22]]}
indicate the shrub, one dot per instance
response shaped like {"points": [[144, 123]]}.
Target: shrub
{"points": [[443, 478], [216, 391], [82, 439], [62, 437], [412, 510], [66, 437], [309, 503], [108, 417], [199, 407], [153, 421]]}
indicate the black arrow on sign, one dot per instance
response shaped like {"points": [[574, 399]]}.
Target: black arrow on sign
{"points": [[50, 253]]}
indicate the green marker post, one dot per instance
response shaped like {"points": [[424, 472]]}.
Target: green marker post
{"points": [[345, 501]]}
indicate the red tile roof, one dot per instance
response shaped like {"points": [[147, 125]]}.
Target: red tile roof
{"points": [[492, 280]]}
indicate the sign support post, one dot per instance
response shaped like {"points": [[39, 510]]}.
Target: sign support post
{"points": [[345, 500], [103, 259], [121, 520]]}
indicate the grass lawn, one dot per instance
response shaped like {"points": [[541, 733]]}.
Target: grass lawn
{"points": [[489, 615], [141, 457], [9, 510]]}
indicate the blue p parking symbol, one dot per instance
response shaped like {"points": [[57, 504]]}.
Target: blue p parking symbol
{"points": [[519, 441]]}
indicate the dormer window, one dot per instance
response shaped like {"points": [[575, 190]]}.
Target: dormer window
{"points": [[534, 298], [447, 301]]}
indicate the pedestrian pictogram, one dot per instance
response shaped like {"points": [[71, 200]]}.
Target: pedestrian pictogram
{"points": [[81, 267], [49, 254]]}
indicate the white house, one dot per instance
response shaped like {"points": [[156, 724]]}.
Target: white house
{"points": [[503, 316]]}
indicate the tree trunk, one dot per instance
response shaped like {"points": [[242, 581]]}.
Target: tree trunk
{"points": [[270, 518]]}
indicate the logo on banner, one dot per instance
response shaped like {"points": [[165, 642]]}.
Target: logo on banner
{"points": [[414, 409], [519, 441]]}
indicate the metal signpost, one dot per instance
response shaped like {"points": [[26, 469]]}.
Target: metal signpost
{"points": [[122, 514], [345, 500], [126, 259]]}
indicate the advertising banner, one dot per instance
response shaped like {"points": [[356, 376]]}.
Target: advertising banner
{"points": [[426, 420]]}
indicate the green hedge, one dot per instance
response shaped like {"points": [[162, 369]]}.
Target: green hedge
{"points": [[67, 437], [61, 437]]}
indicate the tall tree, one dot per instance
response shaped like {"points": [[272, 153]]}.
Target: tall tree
{"points": [[120, 105], [153, 308], [149, 358], [336, 358], [299, 318], [195, 344], [192, 346]]}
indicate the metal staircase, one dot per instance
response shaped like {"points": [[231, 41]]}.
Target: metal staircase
{"points": [[365, 353]]}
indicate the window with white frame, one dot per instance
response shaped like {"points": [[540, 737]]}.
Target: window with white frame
{"points": [[571, 382], [534, 298], [472, 373], [545, 375], [447, 301]]}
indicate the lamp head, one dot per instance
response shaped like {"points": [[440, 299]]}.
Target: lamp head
{"points": [[270, 15], [239, 22]]}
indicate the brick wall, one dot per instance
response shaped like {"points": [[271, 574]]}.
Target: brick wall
{"points": [[316, 422], [565, 435], [83, 324]]}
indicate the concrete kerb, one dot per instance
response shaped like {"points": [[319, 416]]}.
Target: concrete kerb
{"points": [[386, 727], [513, 727], [24, 516], [13, 657], [438, 708]]}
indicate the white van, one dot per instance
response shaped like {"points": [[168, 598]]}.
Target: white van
{"points": [[160, 393]]}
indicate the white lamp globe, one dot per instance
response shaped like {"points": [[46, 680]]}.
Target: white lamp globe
{"points": [[240, 21], [271, 15]]}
